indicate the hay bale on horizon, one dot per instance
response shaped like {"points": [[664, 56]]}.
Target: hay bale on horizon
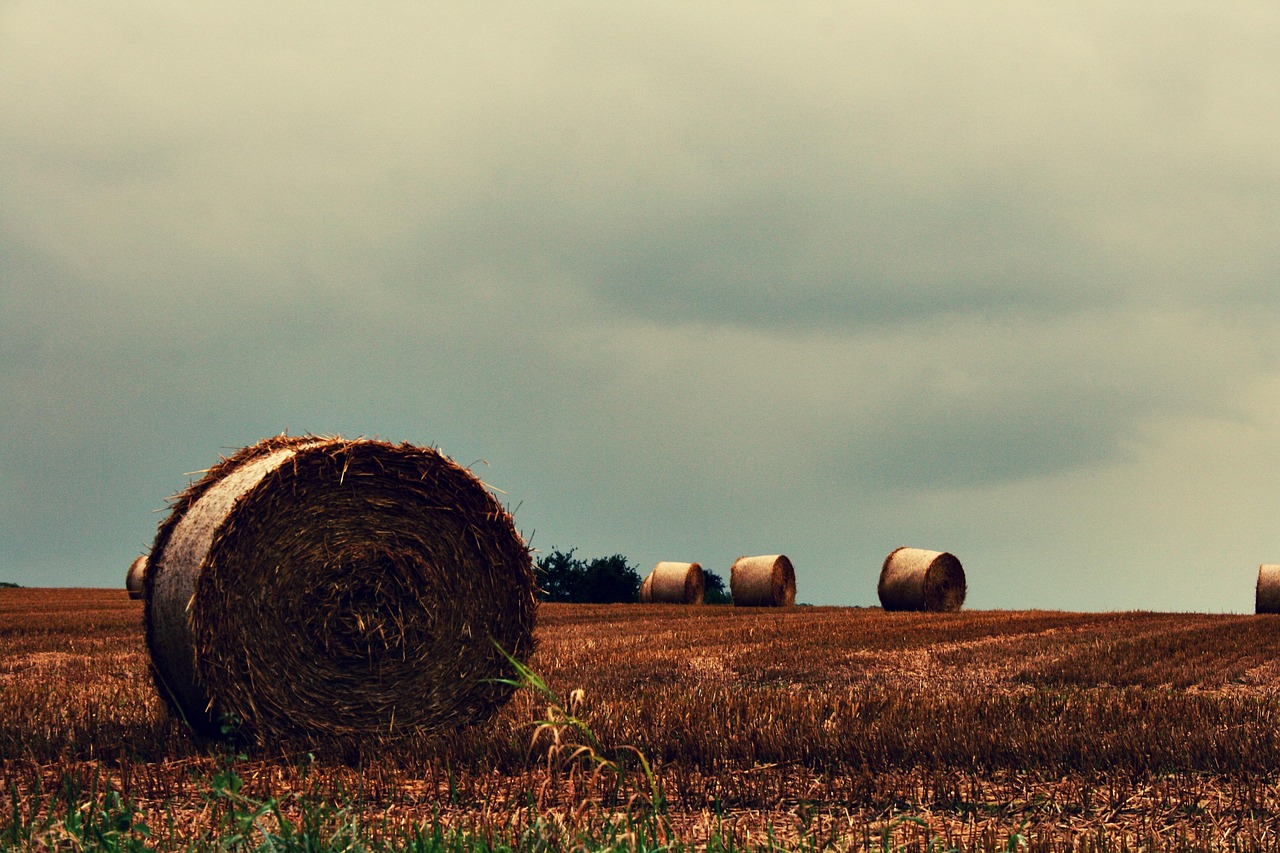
{"points": [[135, 577], [674, 583], [319, 587], [916, 579], [768, 581], [1267, 593]]}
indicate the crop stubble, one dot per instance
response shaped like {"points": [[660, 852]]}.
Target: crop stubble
{"points": [[838, 719]]}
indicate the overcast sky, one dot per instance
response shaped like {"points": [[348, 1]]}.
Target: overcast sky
{"points": [[685, 281]]}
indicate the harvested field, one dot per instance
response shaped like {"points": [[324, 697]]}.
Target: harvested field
{"points": [[968, 730]]}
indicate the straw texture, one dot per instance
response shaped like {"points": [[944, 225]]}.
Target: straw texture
{"points": [[768, 581], [1267, 599], [916, 579], [320, 587], [674, 583], [134, 578]]}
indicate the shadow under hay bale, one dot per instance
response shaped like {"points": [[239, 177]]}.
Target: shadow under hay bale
{"points": [[674, 583], [316, 587], [1267, 595], [916, 579], [135, 578], [768, 581]]}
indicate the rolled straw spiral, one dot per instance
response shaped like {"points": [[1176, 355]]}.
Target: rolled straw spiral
{"points": [[325, 587]]}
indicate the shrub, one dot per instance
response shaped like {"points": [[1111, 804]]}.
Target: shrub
{"points": [[604, 580]]}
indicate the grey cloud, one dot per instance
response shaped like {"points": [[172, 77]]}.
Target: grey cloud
{"points": [[1008, 403], [689, 278], [689, 184]]}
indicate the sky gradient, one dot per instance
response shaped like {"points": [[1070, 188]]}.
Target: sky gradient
{"points": [[684, 281]]}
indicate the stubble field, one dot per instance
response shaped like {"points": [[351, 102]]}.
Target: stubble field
{"points": [[845, 727]]}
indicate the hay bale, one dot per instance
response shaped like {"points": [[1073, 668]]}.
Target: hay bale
{"points": [[674, 583], [322, 587], [135, 577], [1267, 595], [915, 579], [768, 581]]}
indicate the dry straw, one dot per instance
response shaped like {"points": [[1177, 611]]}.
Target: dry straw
{"points": [[136, 577], [915, 579], [322, 587], [674, 583], [768, 581], [1268, 593]]}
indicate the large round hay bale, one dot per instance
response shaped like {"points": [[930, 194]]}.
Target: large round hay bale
{"points": [[768, 581], [1267, 596], [134, 579], [674, 583], [322, 587], [916, 579]]}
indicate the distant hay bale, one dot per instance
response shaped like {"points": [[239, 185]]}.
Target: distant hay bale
{"points": [[915, 579], [311, 587], [674, 583], [768, 581], [1267, 599], [135, 577]]}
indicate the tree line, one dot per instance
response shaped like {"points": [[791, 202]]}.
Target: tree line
{"points": [[562, 576]]}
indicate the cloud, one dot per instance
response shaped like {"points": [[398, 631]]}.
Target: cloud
{"points": [[689, 278]]}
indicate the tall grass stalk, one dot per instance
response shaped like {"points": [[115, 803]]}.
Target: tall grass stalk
{"points": [[571, 739]]}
